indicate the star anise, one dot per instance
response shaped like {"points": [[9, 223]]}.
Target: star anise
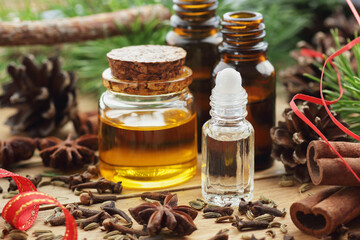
{"points": [[64, 154], [176, 218], [16, 149]]}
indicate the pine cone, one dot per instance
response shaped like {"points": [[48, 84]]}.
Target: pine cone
{"points": [[44, 96], [291, 137], [69, 153]]}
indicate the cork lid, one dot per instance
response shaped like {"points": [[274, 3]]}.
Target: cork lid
{"points": [[146, 62], [155, 87]]}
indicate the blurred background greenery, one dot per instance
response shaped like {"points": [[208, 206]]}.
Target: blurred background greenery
{"points": [[287, 22]]}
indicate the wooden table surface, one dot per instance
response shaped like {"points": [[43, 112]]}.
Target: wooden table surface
{"points": [[266, 183]]}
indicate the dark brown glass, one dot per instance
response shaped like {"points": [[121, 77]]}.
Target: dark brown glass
{"points": [[196, 30], [244, 50]]}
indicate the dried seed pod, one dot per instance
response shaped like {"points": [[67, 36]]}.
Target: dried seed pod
{"points": [[250, 215], [261, 209], [265, 217], [41, 231], [212, 215], [274, 224], [305, 187], [225, 219], [287, 183], [112, 233], [198, 205], [18, 235], [289, 237], [46, 236], [283, 228], [270, 233], [91, 226]]}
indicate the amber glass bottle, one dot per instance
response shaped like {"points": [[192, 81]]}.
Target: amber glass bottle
{"points": [[244, 49], [196, 30]]}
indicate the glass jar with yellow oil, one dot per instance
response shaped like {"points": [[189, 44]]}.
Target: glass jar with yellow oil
{"points": [[147, 131]]}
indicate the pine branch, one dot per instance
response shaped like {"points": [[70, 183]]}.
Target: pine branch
{"points": [[77, 29]]}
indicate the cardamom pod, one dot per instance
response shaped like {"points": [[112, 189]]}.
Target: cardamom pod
{"points": [[91, 226], [46, 236], [246, 237], [58, 183], [18, 235], [211, 215], [250, 215], [115, 236], [270, 233], [305, 187], [197, 205], [41, 231], [274, 224], [265, 217], [283, 228], [112, 233]]}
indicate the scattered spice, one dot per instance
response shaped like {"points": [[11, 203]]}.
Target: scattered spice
{"points": [[101, 185], [288, 237], [287, 181], [91, 226], [353, 236], [224, 211], [111, 225], [112, 210], [270, 233], [221, 235], [176, 218], [225, 219], [212, 215], [305, 187], [197, 205], [274, 224], [35, 180], [98, 218], [158, 196], [89, 198], [1, 190], [261, 209], [265, 217], [252, 237], [65, 154], [249, 225], [74, 179], [18, 235], [16, 149], [283, 228]]}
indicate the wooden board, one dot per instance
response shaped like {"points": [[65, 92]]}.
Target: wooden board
{"points": [[266, 183]]}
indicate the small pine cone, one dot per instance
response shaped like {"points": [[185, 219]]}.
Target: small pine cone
{"points": [[292, 136], [44, 96]]}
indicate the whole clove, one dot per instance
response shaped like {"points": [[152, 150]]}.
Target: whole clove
{"points": [[158, 196], [249, 225], [73, 179], [261, 209], [89, 198], [110, 225], [112, 210], [224, 211], [101, 185], [243, 206], [221, 235], [35, 180], [1, 190], [57, 220], [84, 211], [353, 236], [98, 218]]}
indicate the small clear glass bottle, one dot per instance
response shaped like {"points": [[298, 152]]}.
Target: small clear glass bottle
{"points": [[195, 26], [227, 144], [244, 50], [147, 130]]}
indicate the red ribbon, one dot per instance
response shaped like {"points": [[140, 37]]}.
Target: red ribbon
{"points": [[22, 210], [322, 101]]}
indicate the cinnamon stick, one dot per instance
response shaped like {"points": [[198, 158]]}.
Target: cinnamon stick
{"points": [[77, 29], [326, 168], [321, 213]]}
